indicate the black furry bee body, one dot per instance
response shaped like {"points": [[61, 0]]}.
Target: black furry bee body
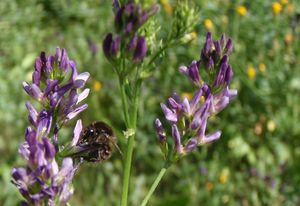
{"points": [[99, 137]]}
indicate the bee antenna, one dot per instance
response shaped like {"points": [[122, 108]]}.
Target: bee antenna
{"points": [[118, 148]]}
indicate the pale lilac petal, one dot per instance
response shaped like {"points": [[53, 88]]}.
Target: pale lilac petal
{"points": [[169, 114], [177, 139], [186, 107], [77, 132], [75, 112], [160, 131], [83, 95], [184, 70], [33, 114], [81, 79], [210, 138]]}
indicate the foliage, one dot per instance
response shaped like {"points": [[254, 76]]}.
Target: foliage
{"points": [[256, 161]]}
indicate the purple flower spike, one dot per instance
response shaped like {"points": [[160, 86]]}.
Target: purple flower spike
{"points": [[189, 119], [42, 179]]}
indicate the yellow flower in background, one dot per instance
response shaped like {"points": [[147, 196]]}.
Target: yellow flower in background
{"points": [[290, 8], [262, 67], [167, 6], [284, 1], [258, 129], [193, 35], [271, 126], [225, 199], [223, 178], [276, 7], [241, 10], [209, 186], [189, 37], [209, 25], [251, 72], [288, 38], [97, 85], [187, 95]]}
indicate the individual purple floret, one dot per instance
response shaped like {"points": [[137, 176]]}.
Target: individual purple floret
{"points": [[42, 181]]}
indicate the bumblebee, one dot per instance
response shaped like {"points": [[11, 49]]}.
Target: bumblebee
{"points": [[99, 138]]}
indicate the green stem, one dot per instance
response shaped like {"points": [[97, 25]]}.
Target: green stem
{"points": [[124, 102], [126, 174], [131, 124], [154, 185], [158, 53]]}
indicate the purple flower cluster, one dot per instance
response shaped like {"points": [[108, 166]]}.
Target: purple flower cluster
{"points": [[42, 181], [188, 119], [214, 60], [128, 19]]}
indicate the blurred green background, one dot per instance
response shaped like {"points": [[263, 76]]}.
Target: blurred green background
{"points": [[257, 160]]}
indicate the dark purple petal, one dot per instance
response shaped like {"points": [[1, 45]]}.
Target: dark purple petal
{"points": [[222, 40], [228, 75], [141, 49], [119, 19], [49, 149], [208, 44], [194, 72], [115, 46], [107, 45], [228, 47], [218, 49]]}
